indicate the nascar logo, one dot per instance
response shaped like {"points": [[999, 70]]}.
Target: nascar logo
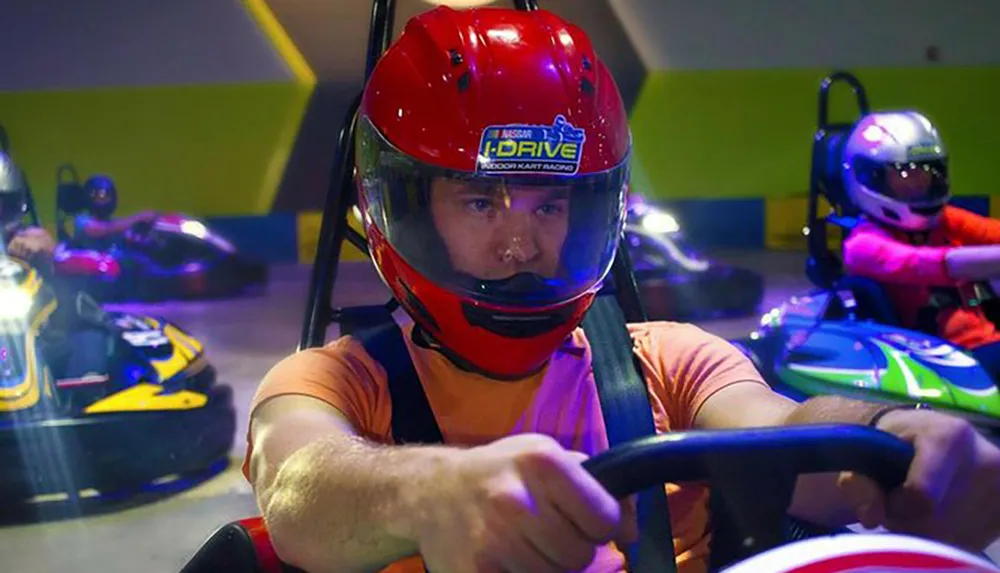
{"points": [[519, 148]]}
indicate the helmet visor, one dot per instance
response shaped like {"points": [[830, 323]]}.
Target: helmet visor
{"points": [[922, 185], [523, 240]]}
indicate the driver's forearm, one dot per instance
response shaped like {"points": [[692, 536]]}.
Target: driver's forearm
{"points": [[817, 498], [100, 229], [974, 262], [344, 504], [120, 226]]}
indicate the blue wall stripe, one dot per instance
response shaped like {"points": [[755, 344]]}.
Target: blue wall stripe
{"points": [[720, 222], [271, 238], [976, 203]]}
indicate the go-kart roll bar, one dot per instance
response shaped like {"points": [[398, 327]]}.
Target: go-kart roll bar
{"points": [[340, 194], [67, 168], [824, 95], [32, 210], [379, 32], [817, 238], [331, 235]]}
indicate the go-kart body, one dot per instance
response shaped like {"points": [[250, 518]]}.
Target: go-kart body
{"points": [[815, 344], [176, 257], [864, 554], [676, 281], [157, 412], [845, 337]]}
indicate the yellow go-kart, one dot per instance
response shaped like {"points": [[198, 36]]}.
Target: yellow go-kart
{"points": [[156, 412]]}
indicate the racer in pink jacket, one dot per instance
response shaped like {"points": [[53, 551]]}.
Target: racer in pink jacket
{"points": [[932, 259]]}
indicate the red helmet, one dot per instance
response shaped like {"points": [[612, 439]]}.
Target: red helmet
{"points": [[492, 167]]}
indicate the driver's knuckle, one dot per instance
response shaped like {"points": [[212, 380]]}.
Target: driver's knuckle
{"points": [[580, 555], [951, 429], [482, 562], [961, 431], [506, 502], [542, 443], [608, 519]]}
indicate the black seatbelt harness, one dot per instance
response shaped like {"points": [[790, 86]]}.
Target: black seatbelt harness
{"points": [[622, 393], [412, 418], [628, 416]]}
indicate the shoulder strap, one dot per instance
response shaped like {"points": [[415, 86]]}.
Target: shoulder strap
{"points": [[385, 343], [627, 414], [621, 391]]}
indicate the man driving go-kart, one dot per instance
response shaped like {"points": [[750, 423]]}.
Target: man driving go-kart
{"points": [[492, 170], [72, 341], [96, 227], [933, 259]]}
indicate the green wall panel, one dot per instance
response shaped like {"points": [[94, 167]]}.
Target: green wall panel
{"points": [[748, 133]]}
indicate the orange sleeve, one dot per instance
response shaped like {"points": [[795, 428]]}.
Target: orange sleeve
{"points": [[971, 228], [688, 365], [341, 374]]}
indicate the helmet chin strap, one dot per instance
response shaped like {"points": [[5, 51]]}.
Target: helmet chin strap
{"points": [[512, 286]]}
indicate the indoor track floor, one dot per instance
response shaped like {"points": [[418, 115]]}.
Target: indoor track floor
{"points": [[244, 338]]}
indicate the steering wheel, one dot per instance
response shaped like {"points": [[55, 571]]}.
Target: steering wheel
{"points": [[751, 473]]}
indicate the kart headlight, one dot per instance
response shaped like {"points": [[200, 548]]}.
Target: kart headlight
{"points": [[198, 230], [194, 228], [15, 303], [660, 222]]}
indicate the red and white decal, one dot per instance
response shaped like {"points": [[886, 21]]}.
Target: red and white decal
{"points": [[865, 553]]}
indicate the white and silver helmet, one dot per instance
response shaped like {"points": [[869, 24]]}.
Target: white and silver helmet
{"points": [[895, 170]]}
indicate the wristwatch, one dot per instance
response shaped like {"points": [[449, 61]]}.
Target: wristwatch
{"points": [[873, 423]]}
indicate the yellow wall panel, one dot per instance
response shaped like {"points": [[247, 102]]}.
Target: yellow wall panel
{"points": [[207, 150]]}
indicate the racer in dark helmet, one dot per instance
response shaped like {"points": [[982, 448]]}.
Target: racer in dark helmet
{"points": [[929, 256], [95, 226], [492, 168]]}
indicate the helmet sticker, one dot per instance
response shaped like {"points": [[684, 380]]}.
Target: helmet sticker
{"points": [[928, 150], [520, 148]]}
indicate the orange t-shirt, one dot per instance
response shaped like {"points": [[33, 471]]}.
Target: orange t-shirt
{"points": [[683, 366]]}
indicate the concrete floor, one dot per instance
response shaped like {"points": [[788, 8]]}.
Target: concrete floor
{"points": [[244, 338]]}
